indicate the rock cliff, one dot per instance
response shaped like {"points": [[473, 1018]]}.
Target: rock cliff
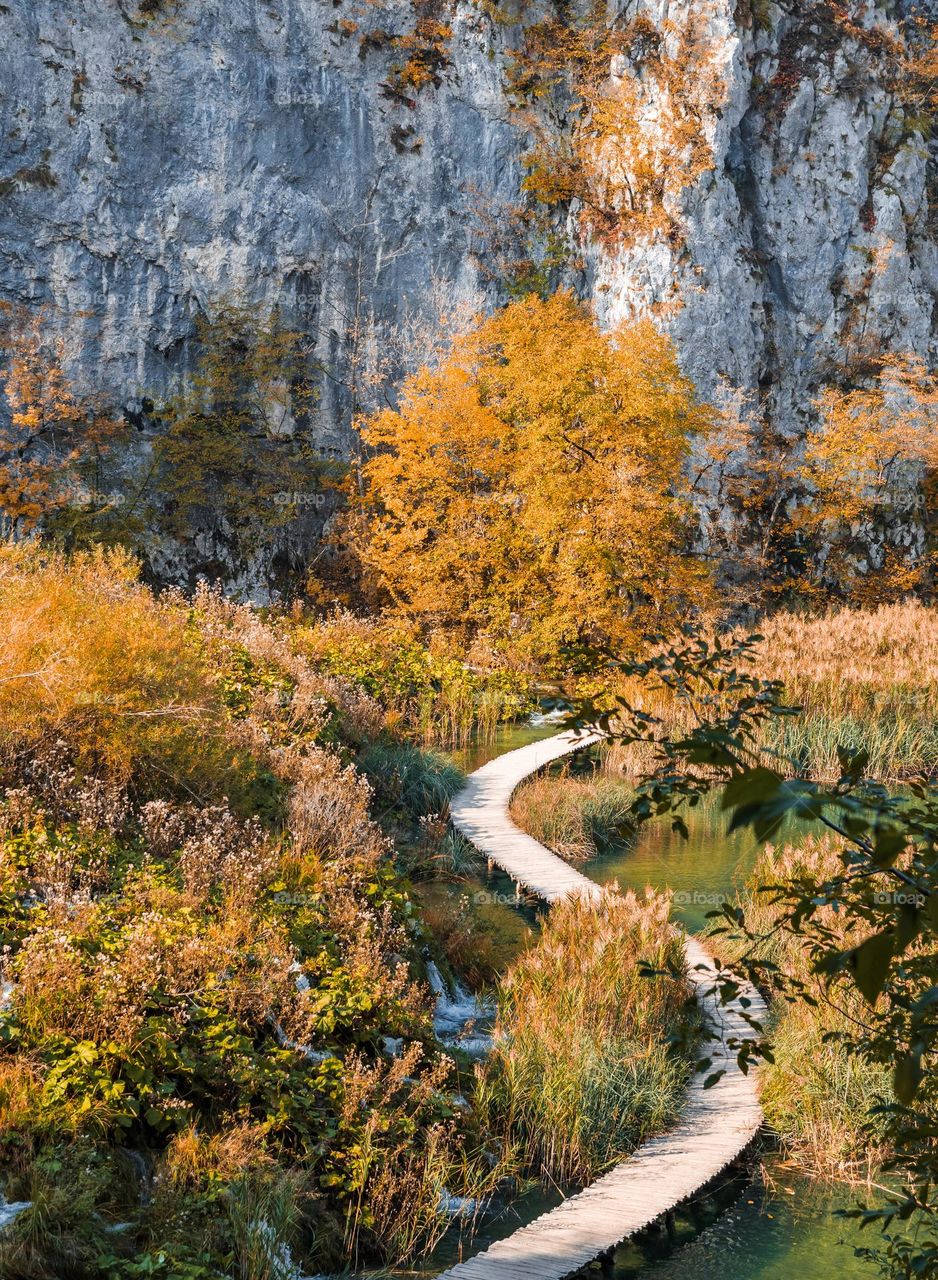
{"points": [[347, 165]]}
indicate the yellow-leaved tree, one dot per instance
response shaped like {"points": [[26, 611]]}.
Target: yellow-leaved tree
{"points": [[52, 439], [529, 490], [869, 466]]}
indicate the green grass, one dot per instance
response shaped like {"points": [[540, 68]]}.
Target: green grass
{"points": [[581, 1072], [418, 781]]}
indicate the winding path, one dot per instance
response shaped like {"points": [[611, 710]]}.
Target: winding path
{"points": [[716, 1124]]}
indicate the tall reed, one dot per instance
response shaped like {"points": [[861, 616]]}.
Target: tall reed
{"points": [[581, 1072], [816, 1094], [576, 817], [862, 678]]}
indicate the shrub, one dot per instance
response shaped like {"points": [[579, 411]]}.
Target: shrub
{"points": [[419, 782], [425, 688], [97, 666], [463, 936], [52, 439], [236, 444]]}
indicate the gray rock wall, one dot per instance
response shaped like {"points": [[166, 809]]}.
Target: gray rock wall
{"points": [[809, 244]]}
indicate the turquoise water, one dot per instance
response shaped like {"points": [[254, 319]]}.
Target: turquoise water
{"points": [[786, 1233], [745, 1230], [507, 737], [703, 871]]}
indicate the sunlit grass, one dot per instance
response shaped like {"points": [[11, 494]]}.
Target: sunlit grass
{"points": [[863, 678], [575, 817], [816, 1094], [580, 1073]]}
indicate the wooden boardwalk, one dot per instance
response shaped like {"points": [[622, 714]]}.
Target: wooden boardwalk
{"points": [[716, 1124], [480, 812]]}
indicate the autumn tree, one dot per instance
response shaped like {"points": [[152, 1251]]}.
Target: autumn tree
{"points": [[529, 487], [868, 469], [235, 453], [845, 510], [53, 440]]}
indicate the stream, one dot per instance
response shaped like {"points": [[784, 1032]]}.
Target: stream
{"points": [[747, 1229]]}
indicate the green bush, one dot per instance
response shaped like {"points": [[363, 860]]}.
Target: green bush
{"points": [[409, 778], [426, 692]]}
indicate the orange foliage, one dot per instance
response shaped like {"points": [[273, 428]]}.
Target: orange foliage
{"points": [[51, 433], [643, 94], [864, 465], [529, 487], [94, 664], [916, 79], [845, 512]]}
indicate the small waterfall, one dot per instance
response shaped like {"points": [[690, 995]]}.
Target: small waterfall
{"points": [[460, 1020]]}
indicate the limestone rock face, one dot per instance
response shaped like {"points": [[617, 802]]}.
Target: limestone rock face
{"points": [[152, 162], [808, 245], [237, 148]]}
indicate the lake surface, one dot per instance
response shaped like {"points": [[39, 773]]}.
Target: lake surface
{"points": [[745, 1230]]}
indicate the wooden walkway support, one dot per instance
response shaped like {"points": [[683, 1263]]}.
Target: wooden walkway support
{"points": [[716, 1124]]}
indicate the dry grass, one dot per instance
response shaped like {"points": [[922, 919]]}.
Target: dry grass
{"points": [[865, 678], [893, 646], [580, 1073], [817, 1095], [576, 817], [91, 657]]}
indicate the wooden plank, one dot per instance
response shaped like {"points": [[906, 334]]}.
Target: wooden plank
{"points": [[716, 1124]]}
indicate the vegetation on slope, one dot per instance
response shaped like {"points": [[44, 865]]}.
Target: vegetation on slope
{"points": [[205, 945]]}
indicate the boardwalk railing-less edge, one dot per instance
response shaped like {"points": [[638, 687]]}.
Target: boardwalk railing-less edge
{"points": [[716, 1124]]}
